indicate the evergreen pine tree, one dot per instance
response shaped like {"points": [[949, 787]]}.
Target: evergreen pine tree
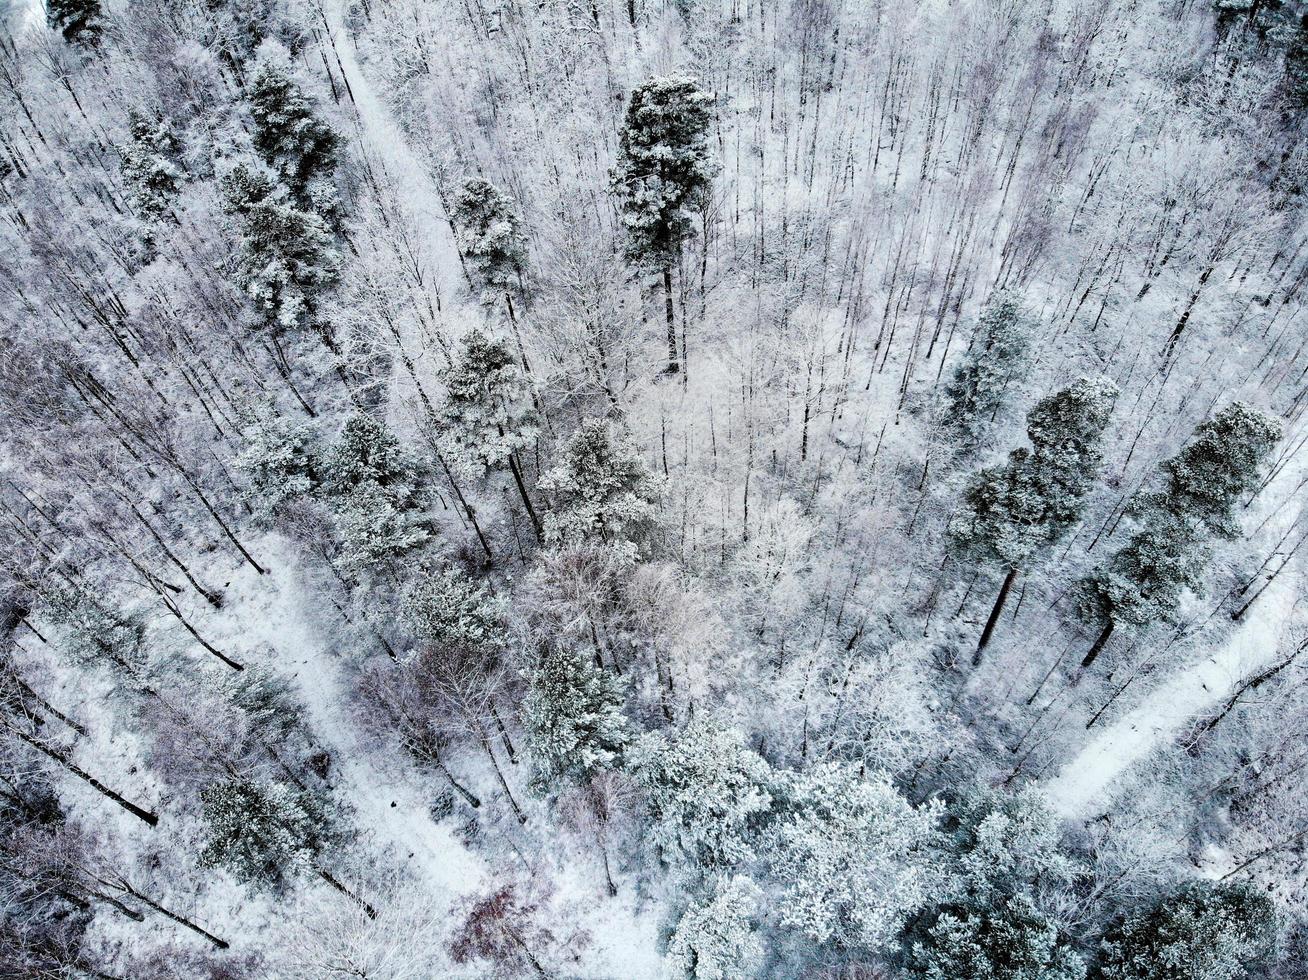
{"points": [[663, 174], [715, 938], [708, 794], [1203, 932], [286, 255], [371, 484], [491, 240], [852, 856], [281, 463], [150, 171], [1144, 581], [288, 134], [990, 366], [95, 632], [601, 491], [488, 413], [79, 21], [1296, 66], [266, 834], [1014, 511], [573, 715], [450, 609], [1010, 940]]}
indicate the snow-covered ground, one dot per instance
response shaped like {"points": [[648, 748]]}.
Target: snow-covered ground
{"points": [[1084, 786]]}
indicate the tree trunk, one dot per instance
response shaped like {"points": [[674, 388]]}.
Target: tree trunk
{"points": [[1097, 647], [516, 469], [989, 631], [136, 811], [499, 773], [327, 877], [459, 788], [179, 919], [673, 365]]}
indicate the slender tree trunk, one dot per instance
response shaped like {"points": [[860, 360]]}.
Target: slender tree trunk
{"points": [[516, 469], [1097, 647], [995, 612], [142, 814], [673, 365], [467, 508], [499, 773], [459, 788], [326, 876], [50, 709], [179, 919]]}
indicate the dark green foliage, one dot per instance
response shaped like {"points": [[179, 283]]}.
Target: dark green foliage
{"points": [[1220, 465], [1011, 940], [150, 170], [573, 715], [449, 609], [264, 834], [1004, 850], [487, 408], [286, 256], [489, 237], [1203, 932], [79, 21], [602, 490], [281, 463], [1144, 582], [1012, 511], [96, 633], [371, 483], [988, 369], [288, 134], [663, 167], [1296, 66]]}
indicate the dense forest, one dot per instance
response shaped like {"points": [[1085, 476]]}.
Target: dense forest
{"points": [[653, 489]]}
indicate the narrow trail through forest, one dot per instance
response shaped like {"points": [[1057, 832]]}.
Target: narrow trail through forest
{"points": [[1085, 784], [388, 146], [392, 810]]}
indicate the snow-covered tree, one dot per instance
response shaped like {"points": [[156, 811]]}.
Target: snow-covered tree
{"points": [[715, 938], [852, 856], [663, 175], [573, 716], [280, 461], [602, 490], [487, 412], [79, 21], [449, 608], [708, 794], [990, 367], [1144, 582], [487, 407], [1010, 939], [1010, 513], [95, 632], [262, 833], [288, 133], [491, 240], [372, 485], [1203, 932], [150, 171], [1005, 843], [286, 255]]}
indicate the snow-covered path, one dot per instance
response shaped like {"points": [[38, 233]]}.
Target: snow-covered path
{"points": [[392, 810], [1085, 783], [387, 146]]}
